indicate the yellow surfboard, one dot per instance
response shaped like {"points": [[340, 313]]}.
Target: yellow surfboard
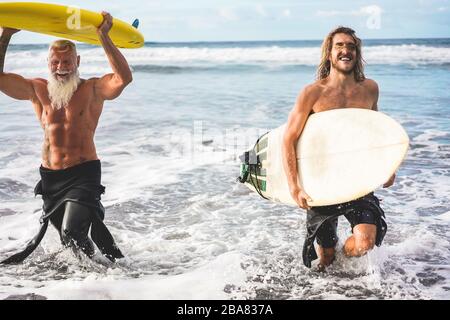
{"points": [[66, 22]]}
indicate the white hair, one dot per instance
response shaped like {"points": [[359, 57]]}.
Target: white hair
{"points": [[63, 45]]}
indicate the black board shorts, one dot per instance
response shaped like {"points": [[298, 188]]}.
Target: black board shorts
{"points": [[322, 222], [327, 233]]}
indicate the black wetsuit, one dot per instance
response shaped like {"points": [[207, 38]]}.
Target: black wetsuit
{"points": [[72, 204], [321, 222]]}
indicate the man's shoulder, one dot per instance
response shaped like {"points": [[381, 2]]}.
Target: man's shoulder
{"points": [[87, 83], [370, 85], [39, 81], [90, 80], [309, 95], [93, 79], [39, 84], [313, 89]]}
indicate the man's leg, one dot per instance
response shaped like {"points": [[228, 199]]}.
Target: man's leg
{"points": [[362, 240], [327, 240], [56, 220], [326, 256], [75, 227]]}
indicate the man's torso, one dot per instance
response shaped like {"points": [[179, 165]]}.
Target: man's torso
{"points": [[68, 132]]}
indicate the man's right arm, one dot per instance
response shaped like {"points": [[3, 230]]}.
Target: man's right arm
{"points": [[13, 85], [294, 127]]}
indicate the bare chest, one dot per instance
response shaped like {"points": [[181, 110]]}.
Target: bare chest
{"points": [[334, 99], [77, 113]]}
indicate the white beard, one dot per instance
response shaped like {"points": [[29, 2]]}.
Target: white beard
{"points": [[60, 92]]}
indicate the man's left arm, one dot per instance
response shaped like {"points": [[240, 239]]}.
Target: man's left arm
{"points": [[110, 86], [375, 92]]}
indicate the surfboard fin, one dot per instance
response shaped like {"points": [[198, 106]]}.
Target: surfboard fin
{"points": [[135, 23]]}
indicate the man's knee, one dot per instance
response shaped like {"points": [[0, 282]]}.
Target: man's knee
{"points": [[364, 236], [364, 245]]}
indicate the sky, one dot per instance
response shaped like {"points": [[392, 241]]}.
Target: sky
{"points": [[240, 20]]}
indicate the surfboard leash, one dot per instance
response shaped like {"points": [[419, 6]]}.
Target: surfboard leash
{"points": [[251, 170], [246, 159], [257, 187]]}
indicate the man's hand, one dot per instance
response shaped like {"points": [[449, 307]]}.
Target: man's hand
{"points": [[390, 182], [8, 31], [301, 198], [106, 25]]}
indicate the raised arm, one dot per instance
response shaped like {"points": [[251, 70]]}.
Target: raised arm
{"points": [[13, 85], [111, 85], [294, 127]]}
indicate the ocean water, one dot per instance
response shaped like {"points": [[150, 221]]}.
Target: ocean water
{"points": [[169, 148]]}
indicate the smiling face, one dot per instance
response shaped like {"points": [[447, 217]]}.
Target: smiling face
{"points": [[343, 55], [64, 78], [341, 51], [62, 63]]}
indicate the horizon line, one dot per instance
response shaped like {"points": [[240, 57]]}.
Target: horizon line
{"points": [[237, 41], [290, 40]]}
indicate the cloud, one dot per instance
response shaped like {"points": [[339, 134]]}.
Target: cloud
{"points": [[363, 11], [228, 14], [286, 13], [261, 11]]}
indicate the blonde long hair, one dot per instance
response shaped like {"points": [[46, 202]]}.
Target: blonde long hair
{"points": [[325, 64]]}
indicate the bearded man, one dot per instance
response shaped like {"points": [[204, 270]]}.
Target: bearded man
{"points": [[341, 84], [68, 109]]}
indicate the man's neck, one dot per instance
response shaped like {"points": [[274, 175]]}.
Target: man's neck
{"points": [[338, 79]]}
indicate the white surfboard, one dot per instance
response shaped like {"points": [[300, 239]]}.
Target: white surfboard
{"points": [[342, 154]]}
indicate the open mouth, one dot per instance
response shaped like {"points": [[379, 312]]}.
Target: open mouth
{"points": [[62, 73], [345, 58]]}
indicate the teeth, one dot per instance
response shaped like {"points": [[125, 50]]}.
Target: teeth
{"points": [[345, 59]]}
